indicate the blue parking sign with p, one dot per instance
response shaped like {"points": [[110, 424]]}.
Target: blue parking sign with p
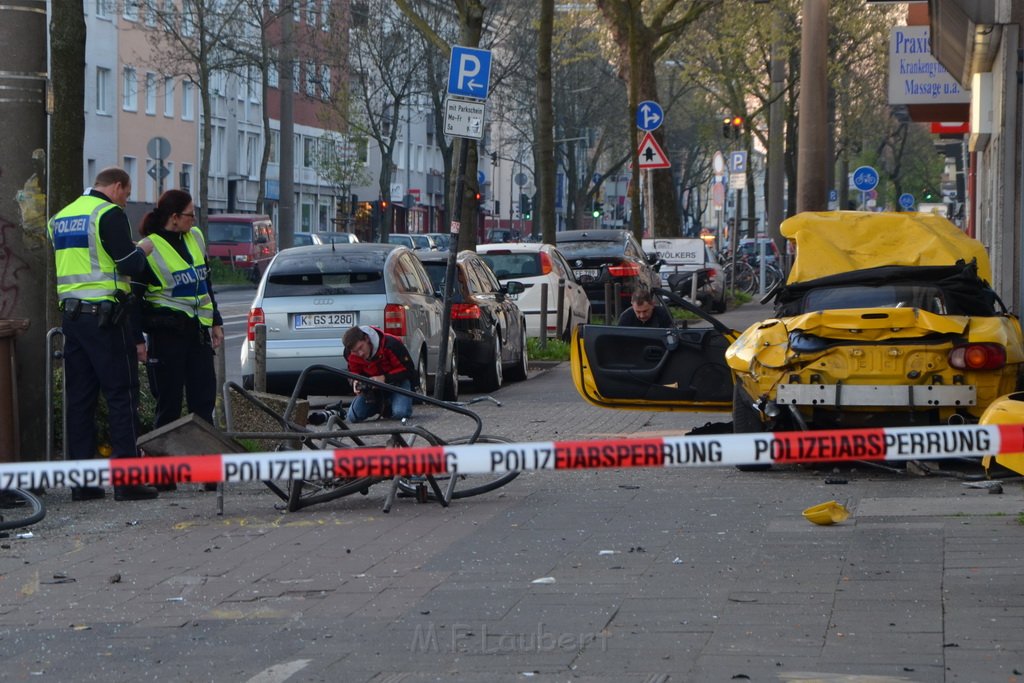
{"points": [[469, 72]]}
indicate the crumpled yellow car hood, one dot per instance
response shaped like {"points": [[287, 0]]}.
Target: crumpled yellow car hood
{"points": [[832, 242]]}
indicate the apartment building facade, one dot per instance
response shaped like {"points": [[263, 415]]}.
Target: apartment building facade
{"points": [[131, 101]]}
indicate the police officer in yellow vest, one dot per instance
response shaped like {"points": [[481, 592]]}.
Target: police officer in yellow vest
{"points": [[95, 256], [179, 313]]}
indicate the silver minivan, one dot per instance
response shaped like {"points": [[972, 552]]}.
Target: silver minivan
{"points": [[310, 295]]}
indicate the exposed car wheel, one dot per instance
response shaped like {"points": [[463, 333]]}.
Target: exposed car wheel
{"points": [[719, 306], [421, 371], [451, 385], [521, 369], [745, 421], [491, 376]]}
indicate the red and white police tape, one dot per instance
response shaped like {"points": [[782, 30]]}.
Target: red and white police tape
{"points": [[892, 444]]}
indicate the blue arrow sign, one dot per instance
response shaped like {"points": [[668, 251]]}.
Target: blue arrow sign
{"points": [[865, 178], [481, 178], [469, 72], [907, 200], [649, 115]]}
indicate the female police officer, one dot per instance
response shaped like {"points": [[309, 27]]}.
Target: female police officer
{"points": [[179, 313]]}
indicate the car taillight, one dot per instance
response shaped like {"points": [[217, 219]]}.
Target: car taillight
{"points": [[624, 270], [256, 317], [465, 312], [712, 273], [394, 320], [982, 356], [545, 263]]}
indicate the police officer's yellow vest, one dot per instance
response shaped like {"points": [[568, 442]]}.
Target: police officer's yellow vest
{"points": [[84, 268], [182, 284]]}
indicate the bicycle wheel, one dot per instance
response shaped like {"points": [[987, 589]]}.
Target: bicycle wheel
{"points": [[742, 277], [466, 485], [18, 500], [305, 492]]}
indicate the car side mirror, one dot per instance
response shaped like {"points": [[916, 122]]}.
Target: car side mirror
{"points": [[514, 287]]}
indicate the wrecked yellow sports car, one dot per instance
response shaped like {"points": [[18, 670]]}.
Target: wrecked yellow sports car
{"points": [[886, 319]]}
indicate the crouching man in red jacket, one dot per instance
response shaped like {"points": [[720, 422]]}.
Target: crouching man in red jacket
{"points": [[381, 357]]}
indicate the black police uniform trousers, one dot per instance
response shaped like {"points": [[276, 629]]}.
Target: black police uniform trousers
{"points": [[181, 362], [98, 359]]}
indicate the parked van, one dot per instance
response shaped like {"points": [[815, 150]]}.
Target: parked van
{"points": [[245, 241]]}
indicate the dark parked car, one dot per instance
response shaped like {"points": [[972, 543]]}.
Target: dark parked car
{"points": [[489, 327], [598, 257]]}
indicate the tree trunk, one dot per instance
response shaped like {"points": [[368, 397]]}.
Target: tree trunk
{"points": [[472, 16]]}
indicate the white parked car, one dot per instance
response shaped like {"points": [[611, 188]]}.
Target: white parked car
{"points": [[534, 264]]}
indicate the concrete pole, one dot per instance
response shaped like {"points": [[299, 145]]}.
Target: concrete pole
{"points": [[812, 149], [25, 255]]}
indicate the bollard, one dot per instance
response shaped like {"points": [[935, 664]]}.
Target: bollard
{"points": [[220, 369], [53, 354], [608, 303], [10, 448], [544, 315], [560, 316], [259, 361], [618, 301]]}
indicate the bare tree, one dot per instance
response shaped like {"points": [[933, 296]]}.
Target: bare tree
{"points": [[194, 41], [643, 32]]}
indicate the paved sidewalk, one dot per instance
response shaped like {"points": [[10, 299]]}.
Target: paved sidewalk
{"points": [[612, 576]]}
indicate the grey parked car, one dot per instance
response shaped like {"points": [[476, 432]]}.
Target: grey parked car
{"points": [[310, 295]]}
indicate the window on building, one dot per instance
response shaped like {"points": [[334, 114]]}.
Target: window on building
{"points": [[275, 144], [253, 155], [187, 100], [151, 94], [185, 181], [129, 90], [325, 15], [272, 75], [149, 12], [325, 82], [307, 216], [104, 9], [130, 167], [169, 97], [308, 152], [131, 10], [102, 90], [188, 23], [296, 77], [218, 146], [312, 76], [361, 145], [312, 13]]}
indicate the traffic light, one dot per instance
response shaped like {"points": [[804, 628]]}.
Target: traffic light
{"points": [[524, 206], [727, 127], [597, 209], [732, 127], [384, 205], [476, 197], [928, 194]]}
